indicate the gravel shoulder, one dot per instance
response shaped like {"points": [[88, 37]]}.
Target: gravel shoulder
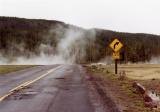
{"points": [[117, 96]]}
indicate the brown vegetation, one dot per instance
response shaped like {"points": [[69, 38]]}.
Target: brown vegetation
{"points": [[122, 92]]}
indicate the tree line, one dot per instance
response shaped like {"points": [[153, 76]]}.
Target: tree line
{"points": [[22, 37]]}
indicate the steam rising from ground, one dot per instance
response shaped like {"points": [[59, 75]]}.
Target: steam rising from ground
{"points": [[61, 45], [107, 60], [70, 48], [154, 60]]}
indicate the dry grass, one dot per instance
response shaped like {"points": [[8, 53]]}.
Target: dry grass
{"points": [[139, 71], [121, 91], [12, 68]]}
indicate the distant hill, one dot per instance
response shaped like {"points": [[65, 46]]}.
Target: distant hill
{"points": [[31, 37]]}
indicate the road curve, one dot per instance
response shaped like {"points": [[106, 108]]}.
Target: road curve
{"points": [[56, 90]]}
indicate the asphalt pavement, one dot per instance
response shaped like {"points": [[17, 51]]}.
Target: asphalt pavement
{"points": [[50, 88]]}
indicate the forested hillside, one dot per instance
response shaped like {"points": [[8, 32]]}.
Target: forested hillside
{"points": [[137, 47], [21, 36], [29, 37]]}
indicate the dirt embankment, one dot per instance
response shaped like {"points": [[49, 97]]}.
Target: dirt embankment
{"points": [[117, 95]]}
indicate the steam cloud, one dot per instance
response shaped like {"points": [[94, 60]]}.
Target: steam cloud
{"points": [[154, 60], [70, 48]]}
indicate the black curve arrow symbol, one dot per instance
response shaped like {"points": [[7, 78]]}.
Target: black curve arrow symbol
{"points": [[116, 44]]}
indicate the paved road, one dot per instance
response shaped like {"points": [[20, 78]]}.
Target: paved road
{"points": [[61, 89]]}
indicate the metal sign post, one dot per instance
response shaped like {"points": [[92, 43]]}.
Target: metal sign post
{"points": [[116, 67]]}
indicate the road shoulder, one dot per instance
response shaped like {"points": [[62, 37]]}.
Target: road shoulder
{"points": [[116, 95]]}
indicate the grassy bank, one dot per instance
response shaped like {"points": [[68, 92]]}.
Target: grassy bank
{"points": [[12, 68], [122, 92]]}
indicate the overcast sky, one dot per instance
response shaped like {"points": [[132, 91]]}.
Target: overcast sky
{"points": [[120, 15]]}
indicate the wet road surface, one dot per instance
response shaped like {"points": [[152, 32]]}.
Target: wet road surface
{"points": [[59, 89]]}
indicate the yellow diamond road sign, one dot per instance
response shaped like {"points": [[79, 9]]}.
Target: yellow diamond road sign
{"points": [[116, 45]]}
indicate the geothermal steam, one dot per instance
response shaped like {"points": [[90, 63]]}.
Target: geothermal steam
{"points": [[70, 48]]}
